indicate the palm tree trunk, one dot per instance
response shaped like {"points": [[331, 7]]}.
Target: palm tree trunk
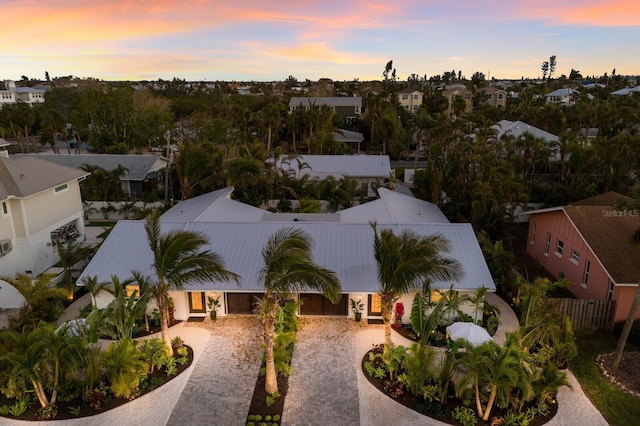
{"points": [[478, 403], [386, 318], [42, 396], [164, 323], [271, 381], [492, 397]]}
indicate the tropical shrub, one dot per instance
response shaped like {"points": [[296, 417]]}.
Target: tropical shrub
{"points": [[465, 416], [124, 367]]}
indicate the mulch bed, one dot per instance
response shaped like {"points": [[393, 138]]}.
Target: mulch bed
{"points": [[627, 375], [443, 412], [259, 400], [64, 407]]}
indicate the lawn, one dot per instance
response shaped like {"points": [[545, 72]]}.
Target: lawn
{"points": [[617, 407]]}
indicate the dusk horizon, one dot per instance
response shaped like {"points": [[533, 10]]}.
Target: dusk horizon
{"points": [[259, 41]]}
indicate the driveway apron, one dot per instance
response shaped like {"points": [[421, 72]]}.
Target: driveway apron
{"points": [[220, 389], [323, 387]]}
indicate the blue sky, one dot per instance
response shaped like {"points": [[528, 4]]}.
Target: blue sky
{"points": [[341, 40]]}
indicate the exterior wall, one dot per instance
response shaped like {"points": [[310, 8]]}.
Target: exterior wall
{"points": [[6, 229], [597, 286], [60, 206], [410, 101]]}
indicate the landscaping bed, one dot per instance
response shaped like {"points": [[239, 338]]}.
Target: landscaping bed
{"points": [[77, 407], [445, 412]]}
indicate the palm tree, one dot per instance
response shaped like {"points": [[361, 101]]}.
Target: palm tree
{"points": [[123, 310], [500, 370], [404, 262], [94, 287], [42, 299], [179, 260], [70, 254], [288, 268]]}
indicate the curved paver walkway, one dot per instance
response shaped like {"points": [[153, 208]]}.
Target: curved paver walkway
{"points": [[220, 388], [323, 388]]}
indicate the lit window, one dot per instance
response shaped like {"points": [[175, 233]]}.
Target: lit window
{"points": [[375, 304], [131, 289]]}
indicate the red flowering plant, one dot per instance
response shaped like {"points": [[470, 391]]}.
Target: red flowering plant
{"points": [[399, 312]]}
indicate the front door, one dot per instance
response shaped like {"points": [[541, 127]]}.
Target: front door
{"points": [[196, 302]]}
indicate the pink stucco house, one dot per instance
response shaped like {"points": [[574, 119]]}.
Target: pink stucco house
{"points": [[589, 243]]}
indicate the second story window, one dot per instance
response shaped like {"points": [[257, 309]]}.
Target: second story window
{"points": [[559, 248], [575, 256], [547, 244]]}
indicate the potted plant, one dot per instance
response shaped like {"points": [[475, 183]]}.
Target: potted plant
{"points": [[213, 303], [357, 306]]}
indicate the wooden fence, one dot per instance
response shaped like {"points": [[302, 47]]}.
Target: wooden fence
{"points": [[588, 314]]}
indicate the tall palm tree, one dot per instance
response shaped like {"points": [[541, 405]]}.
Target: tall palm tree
{"points": [[404, 262], [179, 260], [288, 268], [70, 253]]}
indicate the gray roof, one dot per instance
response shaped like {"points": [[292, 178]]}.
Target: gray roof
{"points": [[345, 247], [340, 165], [393, 207], [138, 166], [563, 92], [519, 128], [331, 101], [214, 206], [347, 136], [27, 176], [627, 91]]}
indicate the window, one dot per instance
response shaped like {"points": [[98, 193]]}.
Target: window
{"points": [[415, 96], [133, 288], [575, 256], [533, 233], [61, 188], [585, 279], [405, 97], [5, 211], [375, 304], [559, 248], [610, 290], [548, 243], [499, 95]]}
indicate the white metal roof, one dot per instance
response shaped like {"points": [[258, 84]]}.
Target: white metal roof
{"points": [[346, 249]]}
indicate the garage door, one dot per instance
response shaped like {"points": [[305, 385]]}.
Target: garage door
{"points": [[317, 304], [242, 303]]}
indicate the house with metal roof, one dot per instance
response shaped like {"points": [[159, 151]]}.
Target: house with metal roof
{"points": [[563, 97], [347, 107], [517, 129], [369, 171], [588, 242], [627, 91], [141, 175], [343, 242], [40, 207]]}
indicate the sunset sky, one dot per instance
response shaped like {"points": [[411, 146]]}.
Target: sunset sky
{"points": [[270, 40]]}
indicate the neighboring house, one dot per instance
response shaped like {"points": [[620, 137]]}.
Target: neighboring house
{"points": [[453, 92], [369, 171], [352, 139], [343, 242], [12, 94], [41, 206], [589, 243], [562, 97], [348, 108], [518, 129], [410, 99], [141, 175], [495, 97], [627, 91]]}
